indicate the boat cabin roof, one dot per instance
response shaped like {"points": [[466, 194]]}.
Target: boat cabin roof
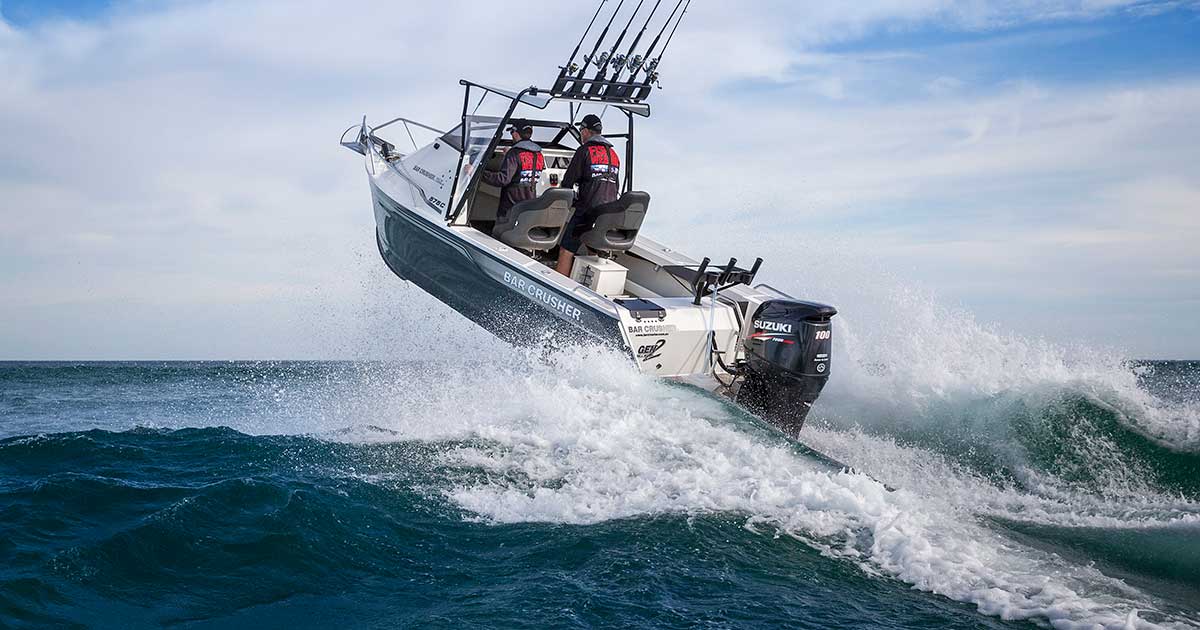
{"points": [[549, 134]]}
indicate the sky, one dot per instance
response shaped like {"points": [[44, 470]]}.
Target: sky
{"points": [[171, 186]]}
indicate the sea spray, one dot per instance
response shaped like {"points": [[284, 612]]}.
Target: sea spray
{"points": [[622, 454]]}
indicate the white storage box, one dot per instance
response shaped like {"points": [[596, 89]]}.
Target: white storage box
{"points": [[600, 275]]}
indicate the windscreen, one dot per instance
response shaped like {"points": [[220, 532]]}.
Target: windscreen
{"points": [[480, 130], [481, 124]]}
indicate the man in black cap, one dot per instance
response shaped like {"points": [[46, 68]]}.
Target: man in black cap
{"points": [[596, 169], [520, 171]]}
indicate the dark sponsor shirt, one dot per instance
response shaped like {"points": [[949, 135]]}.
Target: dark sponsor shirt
{"points": [[518, 175], [596, 169]]}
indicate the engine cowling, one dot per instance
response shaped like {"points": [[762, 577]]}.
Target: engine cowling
{"points": [[788, 352]]}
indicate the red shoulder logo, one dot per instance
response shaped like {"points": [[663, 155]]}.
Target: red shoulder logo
{"points": [[599, 154]]}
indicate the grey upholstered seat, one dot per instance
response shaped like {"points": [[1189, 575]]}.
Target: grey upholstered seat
{"points": [[617, 226], [537, 224]]}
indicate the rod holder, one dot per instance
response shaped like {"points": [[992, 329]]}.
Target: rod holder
{"points": [[700, 284]]}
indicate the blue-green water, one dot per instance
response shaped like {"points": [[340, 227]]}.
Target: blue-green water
{"points": [[512, 492]]}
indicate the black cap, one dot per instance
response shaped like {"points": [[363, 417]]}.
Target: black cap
{"points": [[520, 126], [591, 121]]}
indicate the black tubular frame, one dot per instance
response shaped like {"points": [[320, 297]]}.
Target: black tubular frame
{"points": [[452, 213], [629, 155], [453, 210], [462, 151]]}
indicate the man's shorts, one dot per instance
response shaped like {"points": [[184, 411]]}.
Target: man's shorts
{"points": [[581, 221]]}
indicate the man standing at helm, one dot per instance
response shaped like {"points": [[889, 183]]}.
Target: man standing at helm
{"points": [[596, 169]]}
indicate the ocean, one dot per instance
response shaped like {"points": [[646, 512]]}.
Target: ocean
{"points": [[526, 490]]}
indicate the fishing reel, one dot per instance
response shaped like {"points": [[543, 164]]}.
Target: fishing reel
{"points": [[601, 61], [652, 73], [635, 63], [618, 62], [572, 68]]}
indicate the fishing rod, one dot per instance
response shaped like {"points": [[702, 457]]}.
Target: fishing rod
{"points": [[561, 82], [637, 64], [652, 67], [602, 62], [618, 62], [587, 59]]}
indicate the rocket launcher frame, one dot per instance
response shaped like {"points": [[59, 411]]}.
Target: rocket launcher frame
{"points": [[607, 77]]}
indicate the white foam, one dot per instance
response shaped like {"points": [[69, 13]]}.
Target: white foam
{"points": [[928, 371], [909, 355], [583, 440], [1049, 503]]}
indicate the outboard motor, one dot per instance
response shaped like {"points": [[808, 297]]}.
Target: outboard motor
{"points": [[787, 353]]}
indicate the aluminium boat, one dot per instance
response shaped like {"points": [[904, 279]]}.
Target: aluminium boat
{"points": [[678, 317]]}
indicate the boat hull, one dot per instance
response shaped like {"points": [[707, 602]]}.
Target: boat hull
{"points": [[504, 299]]}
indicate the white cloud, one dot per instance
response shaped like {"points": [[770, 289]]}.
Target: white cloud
{"points": [[944, 85]]}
